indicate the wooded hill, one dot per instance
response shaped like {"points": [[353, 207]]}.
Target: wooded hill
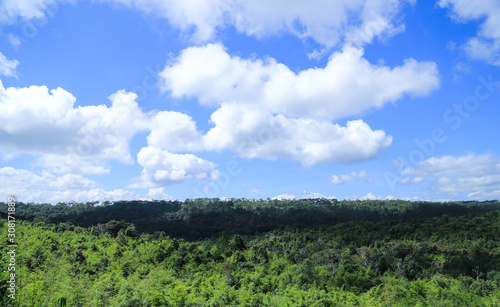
{"points": [[201, 218], [208, 252]]}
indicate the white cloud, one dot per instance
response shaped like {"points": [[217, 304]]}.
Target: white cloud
{"points": [[161, 168], [10, 10], [285, 197], [255, 134], [308, 195], [348, 85], [174, 131], [23, 178], [341, 179], [71, 181], [476, 175], [414, 198], [327, 22], [36, 104], [379, 19], [97, 194], [67, 139], [82, 140], [370, 196], [158, 194], [7, 67], [486, 45], [197, 17], [27, 186], [268, 111], [254, 94], [485, 195], [73, 163], [410, 180]]}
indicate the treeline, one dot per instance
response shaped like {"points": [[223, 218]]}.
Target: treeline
{"points": [[427, 261], [201, 218]]}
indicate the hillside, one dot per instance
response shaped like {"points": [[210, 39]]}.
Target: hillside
{"points": [[446, 255]]}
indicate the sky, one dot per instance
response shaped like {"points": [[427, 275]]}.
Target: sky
{"points": [[287, 99]]}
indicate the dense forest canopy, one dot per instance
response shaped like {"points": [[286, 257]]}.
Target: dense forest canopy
{"points": [[198, 218], [239, 252]]}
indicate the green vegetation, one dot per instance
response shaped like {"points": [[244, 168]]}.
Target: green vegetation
{"points": [[256, 253], [203, 218]]}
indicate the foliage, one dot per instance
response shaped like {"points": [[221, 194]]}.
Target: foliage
{"points": [[443, 260], [201, 218]]}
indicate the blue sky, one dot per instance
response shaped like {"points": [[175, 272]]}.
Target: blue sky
{"points": [[150, 99]]}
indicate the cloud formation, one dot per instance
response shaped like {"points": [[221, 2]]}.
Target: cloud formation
{"points": [[329, 23], [174, 131], [265, 110], [73, 140], [477, 175], [347, 86], [161, 168], [256, 134], [68, 138], [341, 179], [7, 67], [27, 186], [370, 196], [285, 197], [312, 195], [486, 44], [11, 10]]}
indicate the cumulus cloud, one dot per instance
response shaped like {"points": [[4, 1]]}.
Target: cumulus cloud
{"points": [[285, 197], [66, 138], [326, 22], [158, 194], [11, 10], [341, 179], [486, 44], [81, 140], [256, 134], [98, 194], [476, 175], [7, 67], [313, 195], [265, 110], [329, 23], [71, 181], [199, 18], [161, 168], [28, 186], [348, 85], [370, 196], [174, 131], [22, 177]]}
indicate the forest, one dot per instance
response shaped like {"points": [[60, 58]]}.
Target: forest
{"points": [[247, 252]]}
